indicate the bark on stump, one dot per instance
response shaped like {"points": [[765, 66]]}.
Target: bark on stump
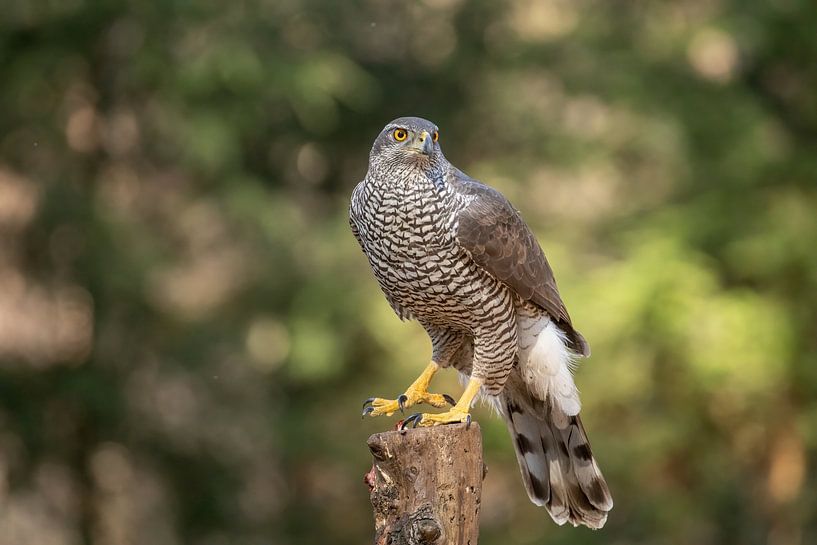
{"points": [[426, 485]]}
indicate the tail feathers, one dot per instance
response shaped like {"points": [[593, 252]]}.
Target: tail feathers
{"points": [[556, 462]]}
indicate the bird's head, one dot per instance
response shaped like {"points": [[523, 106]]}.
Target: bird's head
{"points": [[409, 141]]}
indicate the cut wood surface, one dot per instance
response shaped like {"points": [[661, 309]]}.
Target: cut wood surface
{"points": [[426, 485]]}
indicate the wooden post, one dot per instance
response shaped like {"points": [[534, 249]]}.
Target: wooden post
{"points": [[426, 485]]}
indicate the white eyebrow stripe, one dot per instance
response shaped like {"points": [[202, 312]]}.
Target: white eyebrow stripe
{"points": [[391, 127]]}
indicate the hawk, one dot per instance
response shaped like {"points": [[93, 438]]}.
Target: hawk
{"points": [[455, 255]]}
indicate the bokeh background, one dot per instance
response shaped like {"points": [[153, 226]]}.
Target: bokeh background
{"points": [[187, 327]]}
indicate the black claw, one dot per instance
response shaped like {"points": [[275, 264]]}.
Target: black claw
{"points": [[413, 419], [367, 411], [468, 422], [451, 401], [401, 402], [368, 401]]}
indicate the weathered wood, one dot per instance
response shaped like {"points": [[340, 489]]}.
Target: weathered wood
{"points": [[426, 485]]}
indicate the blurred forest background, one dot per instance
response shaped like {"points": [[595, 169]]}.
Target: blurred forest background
{"points": [[188, 328]]}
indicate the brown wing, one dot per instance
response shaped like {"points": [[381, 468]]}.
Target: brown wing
{"points": [[498, 240]]}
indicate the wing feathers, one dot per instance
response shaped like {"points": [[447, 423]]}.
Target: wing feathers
{"points": [[498, 240]]}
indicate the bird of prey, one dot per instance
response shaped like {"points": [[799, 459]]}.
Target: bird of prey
{"points": [[455, 255]]}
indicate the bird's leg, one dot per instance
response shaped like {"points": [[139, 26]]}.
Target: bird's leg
{"points": [[460, 412], [416, 393]]}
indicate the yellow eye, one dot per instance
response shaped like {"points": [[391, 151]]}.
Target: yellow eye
{"points": [[400, 134], [435, 136]]}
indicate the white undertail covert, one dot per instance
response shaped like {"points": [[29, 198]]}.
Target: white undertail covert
{"points": [[546, 365]]}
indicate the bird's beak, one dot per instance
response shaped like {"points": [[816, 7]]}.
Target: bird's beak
{"points": [[423, 144]]}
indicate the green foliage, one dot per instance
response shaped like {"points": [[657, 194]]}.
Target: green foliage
{"points": [[187, 327]]}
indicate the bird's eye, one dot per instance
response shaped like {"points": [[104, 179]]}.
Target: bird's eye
{"points": [[435, 136], [400, 134]]}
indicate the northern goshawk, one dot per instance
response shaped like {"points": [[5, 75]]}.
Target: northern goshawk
{"points": [[456, 256]]}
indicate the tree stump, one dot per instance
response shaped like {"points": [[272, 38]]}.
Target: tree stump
{"points": [[426, 485]]}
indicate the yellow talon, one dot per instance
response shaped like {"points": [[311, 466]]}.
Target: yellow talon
{"points": [[448, 417], [416, 393], [461, 412]]}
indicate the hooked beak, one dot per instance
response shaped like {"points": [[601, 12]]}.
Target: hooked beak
{"points": [[423, 144]]}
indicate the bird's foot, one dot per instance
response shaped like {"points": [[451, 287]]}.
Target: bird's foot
{"points": [[460, 412], [376, 406], [454, 416]]}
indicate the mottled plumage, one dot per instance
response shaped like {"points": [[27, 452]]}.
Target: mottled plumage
{"points": [[456, 256]]}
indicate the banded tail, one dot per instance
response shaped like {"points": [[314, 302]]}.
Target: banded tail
{"points": [[555, 459]]}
